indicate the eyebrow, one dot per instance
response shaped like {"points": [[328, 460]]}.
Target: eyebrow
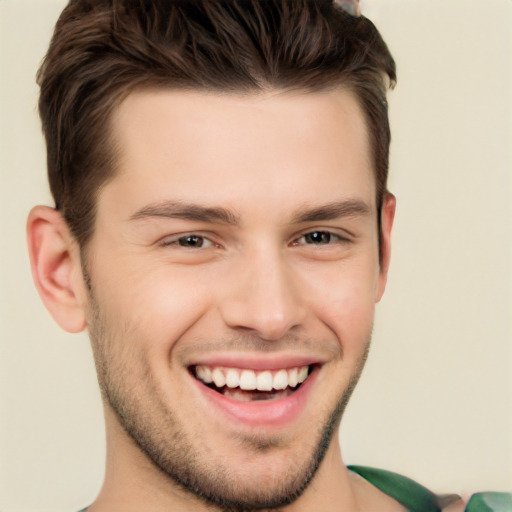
{"points": [[193, 212], [335, 210]]}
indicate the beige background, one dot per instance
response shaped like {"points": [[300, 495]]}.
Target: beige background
{"points": [[435, 402]]}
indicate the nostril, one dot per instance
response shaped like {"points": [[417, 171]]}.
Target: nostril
{"points": [[265, 300]]}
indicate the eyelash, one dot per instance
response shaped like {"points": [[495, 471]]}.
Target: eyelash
{"points": [[337, 238], [332, 238], [176, 241]]}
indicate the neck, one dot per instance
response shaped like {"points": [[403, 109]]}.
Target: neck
{"points": [[133, 483]]}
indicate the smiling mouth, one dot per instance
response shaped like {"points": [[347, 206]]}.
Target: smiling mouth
{"points": [[247, 385]]}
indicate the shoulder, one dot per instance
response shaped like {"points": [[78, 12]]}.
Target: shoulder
{"points": [[415, 497], [483, 502], [490, 502]]}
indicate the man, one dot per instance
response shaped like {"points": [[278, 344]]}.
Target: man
{"points": [[222, 230]]}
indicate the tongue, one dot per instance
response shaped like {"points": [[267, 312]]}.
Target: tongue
{"points": [[251, 396]]}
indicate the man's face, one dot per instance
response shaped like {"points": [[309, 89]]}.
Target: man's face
{"points": [[238, 242]]}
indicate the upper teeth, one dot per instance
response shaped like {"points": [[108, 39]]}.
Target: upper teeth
{"points": [[248, 380]]}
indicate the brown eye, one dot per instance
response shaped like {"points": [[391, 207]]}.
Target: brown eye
{"points": [[192, 241], [318, 238], [187, 241]]}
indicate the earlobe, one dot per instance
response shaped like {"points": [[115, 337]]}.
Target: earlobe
{"points": [[56, 267], [386, 225]]}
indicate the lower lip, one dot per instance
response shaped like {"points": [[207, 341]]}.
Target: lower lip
{"points": [[261, 413]]}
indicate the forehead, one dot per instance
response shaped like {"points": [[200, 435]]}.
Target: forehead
{"points": [[210, 147]]}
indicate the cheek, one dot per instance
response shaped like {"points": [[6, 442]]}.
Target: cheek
{"points": [[350, 316], [344, 300], [154, 303]]}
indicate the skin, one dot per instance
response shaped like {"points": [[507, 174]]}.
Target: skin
{"points": [[251, 284]]}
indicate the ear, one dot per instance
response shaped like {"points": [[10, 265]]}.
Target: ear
{"points": [[56, 267], [386, 225]]}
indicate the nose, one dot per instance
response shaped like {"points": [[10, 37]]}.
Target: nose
{"points": [[263, 297]]}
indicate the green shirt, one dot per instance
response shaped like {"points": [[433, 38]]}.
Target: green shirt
{"points": [[417, 498]]}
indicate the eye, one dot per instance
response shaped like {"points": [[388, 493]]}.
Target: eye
{"points": [[189, 241], [319, 238]]}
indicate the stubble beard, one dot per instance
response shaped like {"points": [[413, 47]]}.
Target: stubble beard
{"points": [[172, 451]]}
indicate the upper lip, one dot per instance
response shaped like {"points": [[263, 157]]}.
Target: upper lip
{"points": [[257, 361]]}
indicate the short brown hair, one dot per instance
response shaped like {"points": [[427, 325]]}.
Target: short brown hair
{"points": [[102, 50]]}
